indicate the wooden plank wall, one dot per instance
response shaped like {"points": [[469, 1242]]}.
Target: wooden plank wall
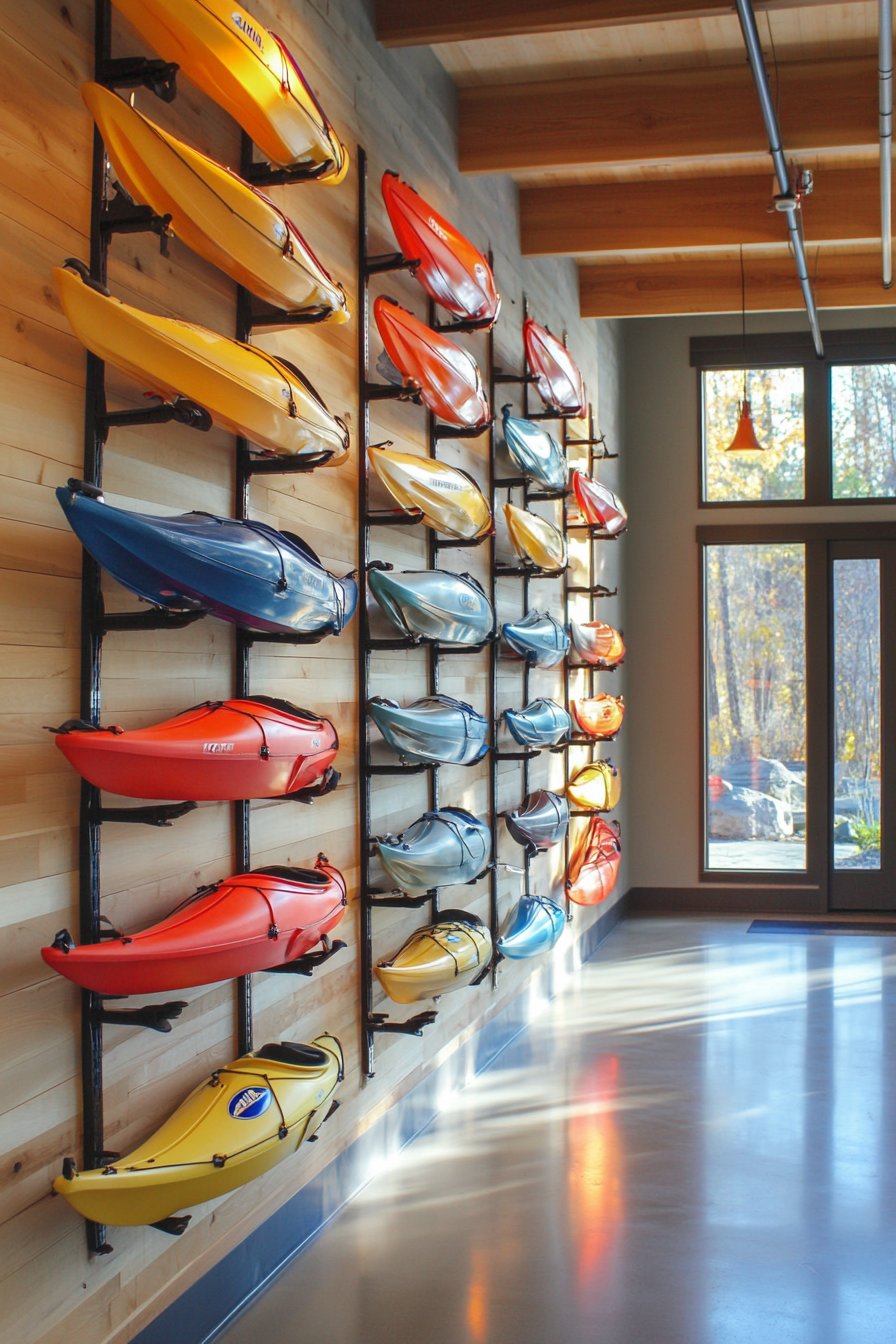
{"points": [[400, 105]]}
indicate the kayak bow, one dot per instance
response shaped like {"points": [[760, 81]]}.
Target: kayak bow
{"points": [[598, 644], [541, 822], [557, 377], [535, 452], [435, 728], [449, 500], [434, 604], [596, 787], [599, 506], [541, 724], [594, 863], [538, 638], [443, 956], [532, 928], [439, 849], [600, 716], [447, 376], [535, 539]]}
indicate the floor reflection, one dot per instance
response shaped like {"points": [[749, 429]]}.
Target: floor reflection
{"points": [[694, 1144]]}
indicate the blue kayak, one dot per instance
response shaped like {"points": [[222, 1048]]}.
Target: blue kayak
{"points": [[533, 927], [541, 822], [440, 849], [434, 604], [436, 728], [244, 572], [543, 723], [538, 638], [535, 452]]}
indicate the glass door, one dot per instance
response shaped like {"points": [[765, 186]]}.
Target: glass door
{"points": [[863, 733]]}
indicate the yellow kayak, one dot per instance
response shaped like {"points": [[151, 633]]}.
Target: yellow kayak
{"points": [[245, 390], [213, 211], [536, 539], [247, 71], [443, 956], [448, 498], [596, 787], [235, 1126]]}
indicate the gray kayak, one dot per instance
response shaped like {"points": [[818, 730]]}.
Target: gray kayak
{"points": [[538, 638], [536, 452], [541, 822], [543, 723], [434, 604], [440, 849], [436, 728]]}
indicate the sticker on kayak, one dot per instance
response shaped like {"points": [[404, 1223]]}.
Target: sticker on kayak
{"points": [[249, 1103], [247, 29], [451, 938]]}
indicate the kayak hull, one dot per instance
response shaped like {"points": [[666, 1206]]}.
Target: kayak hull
{"points": [[439, 849], [442, 957], [533, 927], [235, 1126], [245, 573], [596, 787], [447, 376], [250, 922], [451, 270], [599, 716], [244, 390], [594, 863], [597, 643], [599, 506], [535, 452], [219, 751], [434, 605], [535, 539], [557, 376], [541, 822], [246, 70], [435, 728], [543, 723], [450, 501], [538, 639]]}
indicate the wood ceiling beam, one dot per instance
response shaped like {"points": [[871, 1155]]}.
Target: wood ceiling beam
{"points": [[408, 23], [693, 212], [699, 285], [663, 116]]}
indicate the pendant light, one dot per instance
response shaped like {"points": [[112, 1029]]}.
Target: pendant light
{"points": [[744, 444]]}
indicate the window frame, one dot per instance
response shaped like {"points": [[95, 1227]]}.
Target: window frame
{"points": [[794, 350]]}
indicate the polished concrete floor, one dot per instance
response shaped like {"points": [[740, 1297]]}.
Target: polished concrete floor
{"points": [[694, 1144]]}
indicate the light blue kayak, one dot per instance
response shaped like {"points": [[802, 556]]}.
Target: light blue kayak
{"points": [[543, 723], [440, 849], [538, 638], [532, 928], [436, 728], [434, 604], [536, 452]]}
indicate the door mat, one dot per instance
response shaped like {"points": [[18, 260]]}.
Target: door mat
{"points": [[850, 927]]}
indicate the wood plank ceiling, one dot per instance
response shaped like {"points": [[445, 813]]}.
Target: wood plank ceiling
{"points": [[634, 132]]}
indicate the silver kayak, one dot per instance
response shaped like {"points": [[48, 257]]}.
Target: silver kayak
{"points": [[440, 849], [543, 723], [538, 638], [536, 452], [434, 604], [436, 728], [541, 822], [532, 928]]}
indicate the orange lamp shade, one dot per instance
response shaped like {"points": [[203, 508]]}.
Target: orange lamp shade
{"points": [[599, 716], [745, 443], [596, 787], [594, 863]]}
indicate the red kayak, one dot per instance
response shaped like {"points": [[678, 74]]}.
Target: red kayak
{"points": [[594, 863], [599, 716], [258, 748], [557, 378], [251, 922], [448, 378], [598, 504], [451, 270]]}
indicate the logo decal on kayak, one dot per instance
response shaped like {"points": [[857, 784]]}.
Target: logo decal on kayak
{"points": [[246, 28], [249, 1103], [469, 602], [218, 746], [437, 229]]}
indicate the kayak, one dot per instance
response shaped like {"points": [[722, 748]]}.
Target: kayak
{"points": [[594, 863], [449, 499], [599, 505], [597, 643], [250, 922], [448, 378], [596, 787], [235, 1126], [543, 723], [539, 638], [535, 452], [600, 716], [219, 751], [443, 956], [451, 270], [535, 539], [439, 849], [243, 572], [435, 604], [244, 390], [557, 377], [249, 72], [435, 728], [532, 928], [541, 822], [228, 222]]}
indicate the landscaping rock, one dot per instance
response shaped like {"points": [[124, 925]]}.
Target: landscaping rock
{"points": [[748, 814]]}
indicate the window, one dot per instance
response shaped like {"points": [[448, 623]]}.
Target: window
{"points": [[775, 397], [857, 713], [863, 430]]}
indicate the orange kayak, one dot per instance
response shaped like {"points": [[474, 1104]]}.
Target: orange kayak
{"points": [[448, 378], [597, 643], [594, 863], [557, 377], [600, 716], [453, 272]]}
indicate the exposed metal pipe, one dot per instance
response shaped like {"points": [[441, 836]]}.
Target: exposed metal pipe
{"points": [[885, 124], [757, 64]]}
